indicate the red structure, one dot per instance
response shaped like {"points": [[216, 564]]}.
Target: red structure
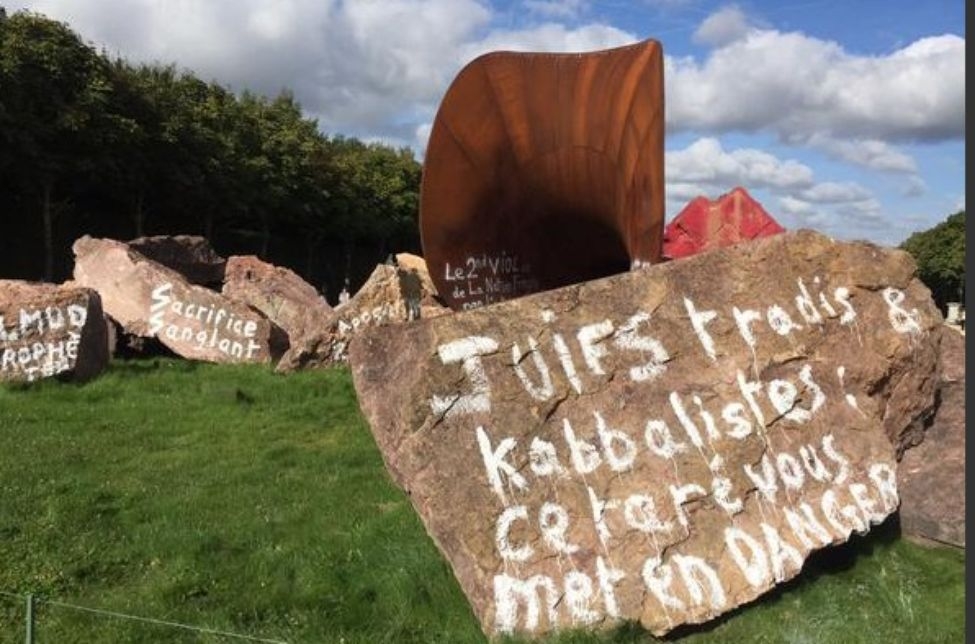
{"points": [[705, 225]]}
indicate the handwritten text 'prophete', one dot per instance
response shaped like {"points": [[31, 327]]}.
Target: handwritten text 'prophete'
{"points": [[24, 352]]}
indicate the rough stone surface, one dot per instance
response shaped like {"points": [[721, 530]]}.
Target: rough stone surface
{"points": [[932, 474], [704, 225], [49, 330], [147, 299], [663, 445], [413, 271], [391, 295], [280, 294], [191, 256]]}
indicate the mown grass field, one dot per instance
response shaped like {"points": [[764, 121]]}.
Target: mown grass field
{"points": [[236, 499]]}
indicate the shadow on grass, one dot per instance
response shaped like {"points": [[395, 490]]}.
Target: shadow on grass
{"points": [[824, 563], [143, 366], [829, 561]]}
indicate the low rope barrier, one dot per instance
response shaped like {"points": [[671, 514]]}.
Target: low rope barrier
{"points": [[32, 600]]}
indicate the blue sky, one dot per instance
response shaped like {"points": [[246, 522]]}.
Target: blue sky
{"points": [[842, 116]]}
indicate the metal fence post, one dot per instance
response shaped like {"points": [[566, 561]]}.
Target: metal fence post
{"points": [[30, 618]]}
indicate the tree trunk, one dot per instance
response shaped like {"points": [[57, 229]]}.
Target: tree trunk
{"points": [[47, 217], [311, 243], [139, 215], [265, 237], [348, 257], [208, 224]]}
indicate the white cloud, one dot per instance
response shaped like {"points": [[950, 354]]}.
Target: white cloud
{"points": [[914, 187], [869, 153], [564, 9], [797, 87], [679, 192], [668, 4], [242, 43], [794, 206], [832, 192], [550, 37], [722, 27], [837, 208], [421, 137], [867, 211], [797, 213], [706, 162]]}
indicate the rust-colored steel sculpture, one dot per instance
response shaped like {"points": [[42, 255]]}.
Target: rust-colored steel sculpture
{"points": [[544, 170]]}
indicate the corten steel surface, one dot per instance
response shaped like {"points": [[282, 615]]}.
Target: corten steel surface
{"points": [[544, 170]]}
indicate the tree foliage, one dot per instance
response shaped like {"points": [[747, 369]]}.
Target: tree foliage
{"points": [[95, 145], [52, 96], [940, 256]]}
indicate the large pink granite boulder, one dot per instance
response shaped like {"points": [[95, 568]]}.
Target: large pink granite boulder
{"points": [[392, 295], [147, 299], [279, 293], [661, 446], [932, 474]]}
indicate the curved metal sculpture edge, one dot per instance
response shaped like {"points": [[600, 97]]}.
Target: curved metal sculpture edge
{"points": [[544, 170]]}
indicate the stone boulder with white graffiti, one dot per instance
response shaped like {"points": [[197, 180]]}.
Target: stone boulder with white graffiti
{"points": [[392, 295], [279, 293], [150, 300], [663, 445], [50, 330]]}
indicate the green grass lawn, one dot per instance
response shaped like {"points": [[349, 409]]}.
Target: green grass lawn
{"points": [[239, 500]]}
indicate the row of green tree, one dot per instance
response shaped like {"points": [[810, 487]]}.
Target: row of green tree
{"points": [[940, 255], [92, 144]]}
